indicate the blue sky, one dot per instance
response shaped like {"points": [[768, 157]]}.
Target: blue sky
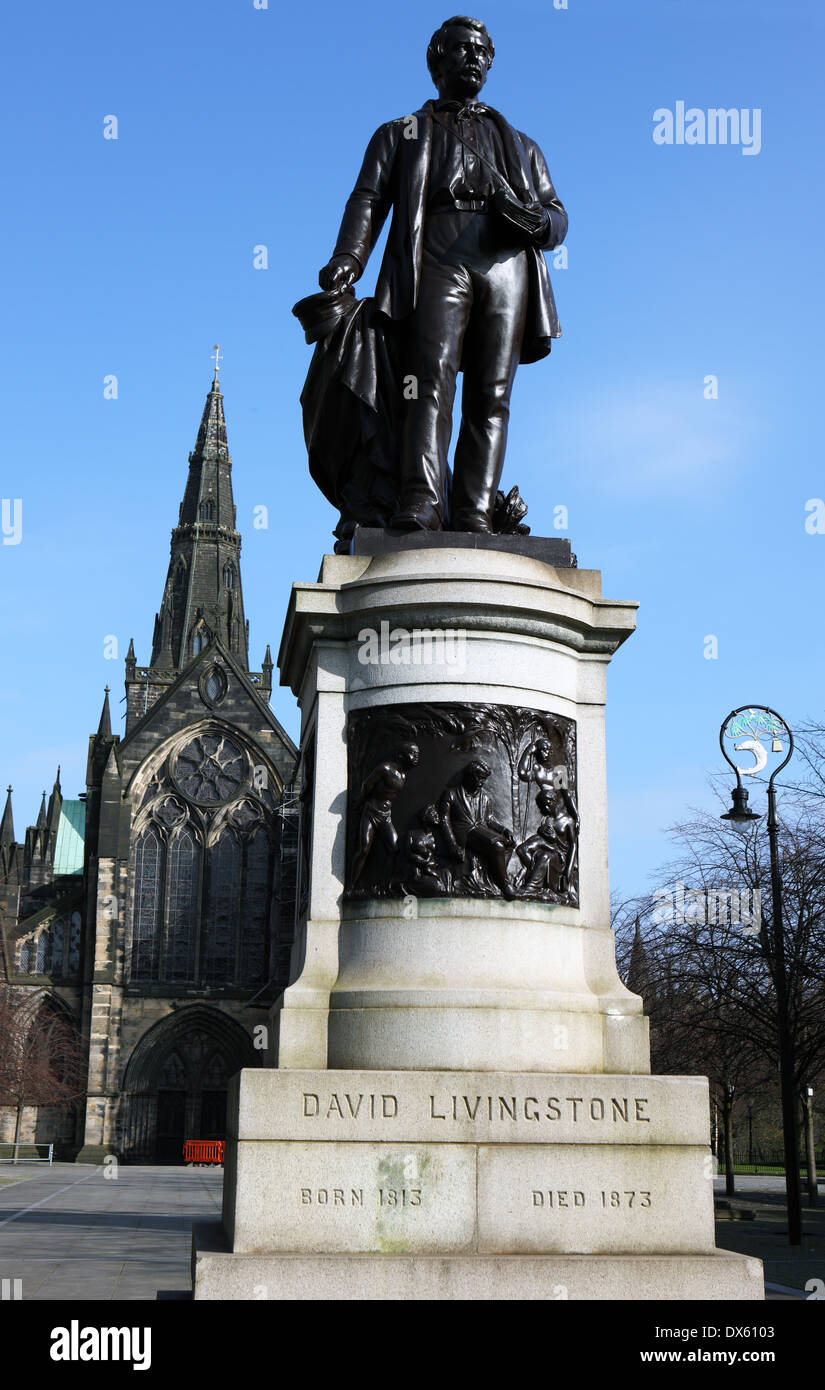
{"points": [[240, 127]]}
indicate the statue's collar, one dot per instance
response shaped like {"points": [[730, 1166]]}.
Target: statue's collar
{"points": [[467, 110]]}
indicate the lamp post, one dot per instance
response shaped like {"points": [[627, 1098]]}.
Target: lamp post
{"points": [[750, 1133], [810, 1147], [756, 719]]}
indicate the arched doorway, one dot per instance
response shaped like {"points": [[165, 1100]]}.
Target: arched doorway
{"points": [[176, 1082]]}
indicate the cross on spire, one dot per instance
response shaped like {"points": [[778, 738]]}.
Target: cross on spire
{"points": [[217, 360]]}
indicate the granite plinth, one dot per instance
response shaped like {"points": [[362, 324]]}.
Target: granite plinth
{"points": [[455, 1162], [551, 550], [484, 1107], [217, 1273]]}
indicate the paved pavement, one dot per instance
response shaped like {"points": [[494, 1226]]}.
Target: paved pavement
{"points": [[70, 1232], [787, 1268]]}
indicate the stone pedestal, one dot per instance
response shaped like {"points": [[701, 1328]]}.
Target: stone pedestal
{"points": [[459, 1102]]}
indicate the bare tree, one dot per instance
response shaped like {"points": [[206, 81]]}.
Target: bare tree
{"points": [[710, 957], [41, 1062]]}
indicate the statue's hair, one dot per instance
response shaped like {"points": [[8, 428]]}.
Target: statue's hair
{"points": [[435, 50], [478, 766]]}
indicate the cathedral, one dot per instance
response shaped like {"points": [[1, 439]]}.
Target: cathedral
{"points": [[152, 918]]}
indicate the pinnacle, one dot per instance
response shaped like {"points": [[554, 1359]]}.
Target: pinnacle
{"points": [[104, 728]]}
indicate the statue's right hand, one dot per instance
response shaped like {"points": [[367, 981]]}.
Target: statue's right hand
{"points": [[339, 273]]}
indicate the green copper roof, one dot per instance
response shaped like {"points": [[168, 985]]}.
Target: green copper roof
{"points": [[68, 852]]}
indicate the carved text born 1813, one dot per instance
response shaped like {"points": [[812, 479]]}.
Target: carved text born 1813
{"points": [[462, 800]]}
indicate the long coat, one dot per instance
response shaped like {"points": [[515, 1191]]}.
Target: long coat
{"points": [[395, 174]]}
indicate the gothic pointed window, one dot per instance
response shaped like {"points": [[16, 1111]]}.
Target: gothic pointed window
{"points": [[182, 920], [228, 576], [207, 511], [201, 638], [147, 912], [58, 937], [223, 910], [180, 576], [73, 964], [40, 953], [255, 920]]}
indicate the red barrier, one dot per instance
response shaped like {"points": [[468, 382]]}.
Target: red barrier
{"points": [[203, 1151]]}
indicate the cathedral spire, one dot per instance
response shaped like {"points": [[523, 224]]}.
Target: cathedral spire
{"points": [[7, 823], [638, 978], [41, 815], [202, 598]]}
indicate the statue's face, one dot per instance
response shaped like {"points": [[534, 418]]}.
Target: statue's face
{"points": [[464, 64], [408, 755]]}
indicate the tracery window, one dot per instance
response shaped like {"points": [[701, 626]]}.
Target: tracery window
{"points": [[148, 899], [74, 945], [228, 576], [207, 511], [256, 907], [201, 902], [41, 953], [223, 911], [181, 937], [57, 965]]}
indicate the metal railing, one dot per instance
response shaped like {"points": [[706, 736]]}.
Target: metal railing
{"points": [[761, 1161], [22, 1153]]}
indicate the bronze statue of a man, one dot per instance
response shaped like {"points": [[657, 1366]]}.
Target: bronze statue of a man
{"points": [[463, 276]]}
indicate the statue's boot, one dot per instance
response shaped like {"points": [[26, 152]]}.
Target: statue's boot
{"points": [[416, 518]]}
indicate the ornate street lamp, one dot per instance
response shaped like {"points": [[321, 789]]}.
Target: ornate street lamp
{"points": [[754, 720]]}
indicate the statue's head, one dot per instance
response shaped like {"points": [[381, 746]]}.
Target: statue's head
{"points": [[407, 754], [459, 56], [430, 817], [546, 802], [476, 774], [544, 750]]}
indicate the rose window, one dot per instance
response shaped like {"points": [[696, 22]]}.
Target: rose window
{"points": [[210, 768]]}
